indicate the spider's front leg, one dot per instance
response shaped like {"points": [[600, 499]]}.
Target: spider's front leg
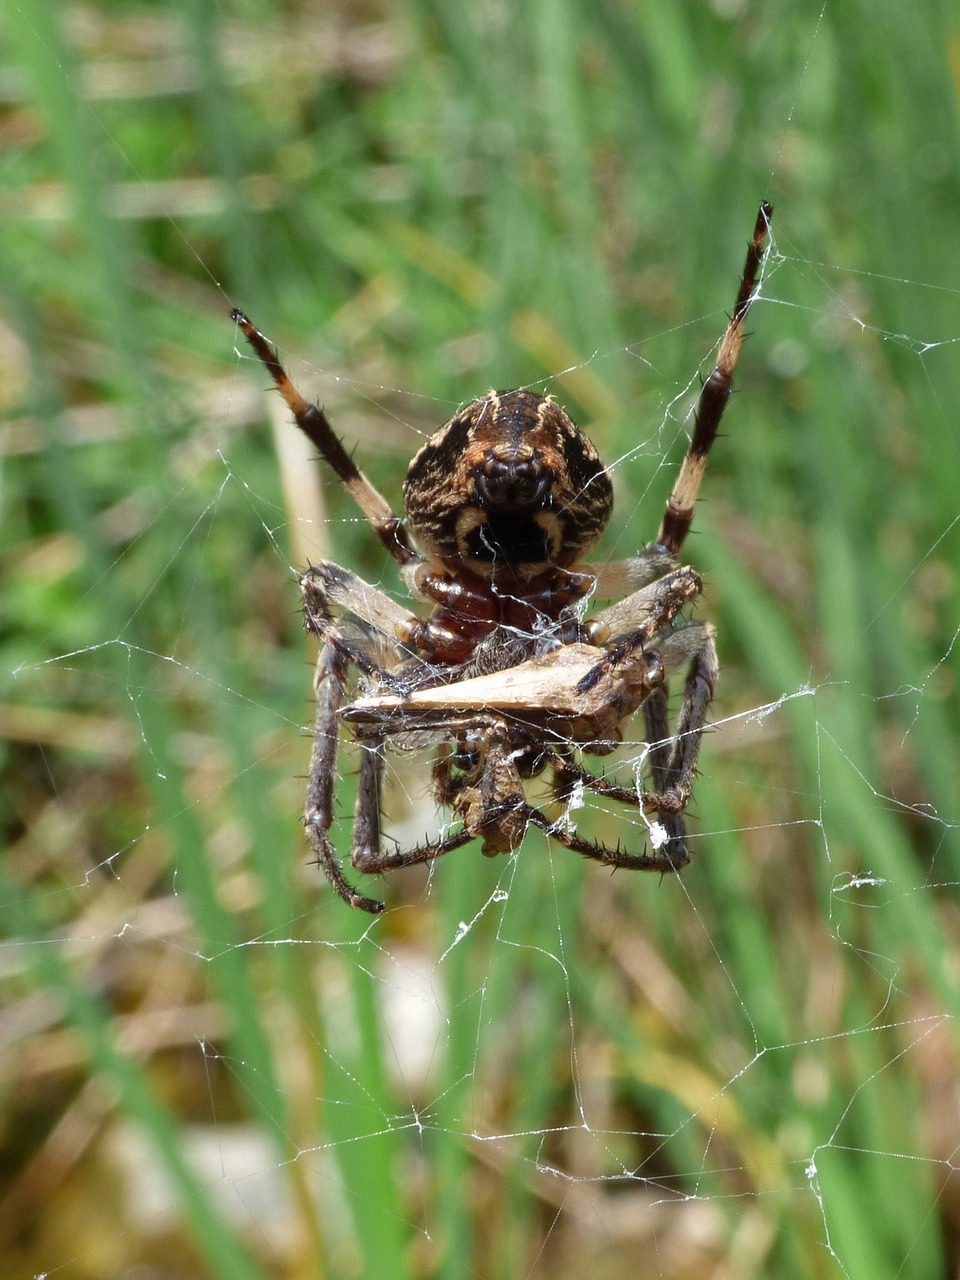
{"points": [[379, 623], [313, 422]]}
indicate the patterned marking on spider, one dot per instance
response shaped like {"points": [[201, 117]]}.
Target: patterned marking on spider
{"points": [[503, 676]]}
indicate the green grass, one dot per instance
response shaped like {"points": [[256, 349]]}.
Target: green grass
{"points": [[749, 1071]]}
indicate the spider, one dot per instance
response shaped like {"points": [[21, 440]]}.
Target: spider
{"points": [[504, 676]]}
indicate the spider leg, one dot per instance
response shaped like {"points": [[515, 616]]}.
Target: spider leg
{"points": [[330, 684], [366, 815], [375, 863], [367, 855], [713, 398], [312, 421], [529, 814], [662, 861], [649, 611], [615, 579], [672, 757], [693, 644], [568, 774], [488, 799], [319, 622], [325, 583], [657, 731]]}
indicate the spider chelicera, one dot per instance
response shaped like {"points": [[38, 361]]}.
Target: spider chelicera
{"points": [[504, 676]]}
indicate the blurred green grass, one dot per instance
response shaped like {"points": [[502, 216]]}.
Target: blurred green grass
{"points": [[751, 1072]]}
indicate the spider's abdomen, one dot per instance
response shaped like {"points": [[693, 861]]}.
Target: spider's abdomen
{"points": [[510, 488]]}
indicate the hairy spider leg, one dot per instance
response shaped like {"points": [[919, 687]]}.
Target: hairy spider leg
{"points": [[713, 398], [661, 860], [313, 422], [672, 758], [330, 685]]}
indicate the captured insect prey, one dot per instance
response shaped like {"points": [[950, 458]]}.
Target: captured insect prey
{"points": [[504, 676]]}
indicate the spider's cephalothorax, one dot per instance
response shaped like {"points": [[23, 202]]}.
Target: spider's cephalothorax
{"points": [[502, 675], [509, 489]]}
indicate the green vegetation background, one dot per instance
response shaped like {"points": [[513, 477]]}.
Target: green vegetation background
{"points": [[752, 1072]]}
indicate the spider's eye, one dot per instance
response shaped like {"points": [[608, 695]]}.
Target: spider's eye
{"points": [[509, 487]]}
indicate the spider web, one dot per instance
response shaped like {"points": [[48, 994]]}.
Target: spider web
{"points": [[527, 1066]]}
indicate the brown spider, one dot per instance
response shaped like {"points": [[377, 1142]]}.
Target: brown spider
{"points": [[503, 675]]}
